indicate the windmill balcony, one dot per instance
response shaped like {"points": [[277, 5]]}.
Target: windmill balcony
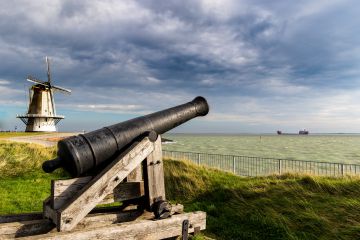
{"points": [[40, 116]]}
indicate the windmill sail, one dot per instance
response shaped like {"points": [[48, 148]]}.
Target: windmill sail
{"points": [[48, 69], [37, 81], [61, 89]]}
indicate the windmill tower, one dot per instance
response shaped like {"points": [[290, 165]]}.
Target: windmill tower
{"points": [[41, 115]]}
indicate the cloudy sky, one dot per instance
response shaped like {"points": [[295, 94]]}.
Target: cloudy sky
{"points": [[263, 65]]}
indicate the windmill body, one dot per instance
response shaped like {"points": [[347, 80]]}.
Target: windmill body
{"points": [[41, 115]]}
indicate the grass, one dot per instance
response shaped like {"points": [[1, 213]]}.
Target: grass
{"points": [[23, 160], [23, 185], [276, 207]]}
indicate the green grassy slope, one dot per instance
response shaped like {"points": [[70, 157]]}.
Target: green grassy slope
{"points": [[283, 207], [278, 207], [23, 185]]}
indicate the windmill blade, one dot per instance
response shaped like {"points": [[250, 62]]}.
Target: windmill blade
{"points": [[61, 89], [52, 102], [48, 69], [37, 81]]}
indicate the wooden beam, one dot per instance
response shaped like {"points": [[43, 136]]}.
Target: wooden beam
{"points": [[125, 191], [20, 217], [25, 228], [48, 211], [141, 229], [102, 185], [31, 227], [63, 190], [43, 226], [154, 176], [136, 175]]}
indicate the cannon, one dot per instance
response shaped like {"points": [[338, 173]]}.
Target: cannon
{"points": [[119, 163], [85, 152]]}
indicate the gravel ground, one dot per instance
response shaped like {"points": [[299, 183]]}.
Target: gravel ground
{"points": [[46, 139]]}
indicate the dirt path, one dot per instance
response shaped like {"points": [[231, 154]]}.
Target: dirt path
{"points": [[46, 139]]}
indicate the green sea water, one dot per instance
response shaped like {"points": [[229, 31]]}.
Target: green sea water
{"points": [[329, 148]]}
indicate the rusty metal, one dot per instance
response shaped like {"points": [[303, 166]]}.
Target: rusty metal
{"points": [[162, 209], [185, 230]]}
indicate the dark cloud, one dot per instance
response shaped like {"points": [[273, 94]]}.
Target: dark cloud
{"points": [[264, 55]]}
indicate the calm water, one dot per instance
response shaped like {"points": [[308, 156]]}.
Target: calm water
{"points": [[335, 148]]}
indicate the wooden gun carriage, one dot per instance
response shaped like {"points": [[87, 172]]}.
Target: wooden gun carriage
{"points": [[131, 173]]}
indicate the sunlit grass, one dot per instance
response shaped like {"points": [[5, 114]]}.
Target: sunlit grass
{"points": [[20, 159], [276, 207], [23, 184]]}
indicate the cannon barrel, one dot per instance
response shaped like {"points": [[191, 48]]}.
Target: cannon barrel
{"points": [[84, 152]]}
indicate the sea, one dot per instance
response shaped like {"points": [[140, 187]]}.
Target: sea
{"points": [[342, 148]]}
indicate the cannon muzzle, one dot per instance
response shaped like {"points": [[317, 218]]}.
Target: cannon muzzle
{"points": [[84, 152]]}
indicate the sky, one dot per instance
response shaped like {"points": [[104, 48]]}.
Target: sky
{"points": [[262, 65]]}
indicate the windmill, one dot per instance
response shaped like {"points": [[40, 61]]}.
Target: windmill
{"points": [[41, 115]]}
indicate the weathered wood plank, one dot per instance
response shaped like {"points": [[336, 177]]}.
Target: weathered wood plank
{"points": [[25, 228], [125, 191], [142, 229], [43, 226], [136, 175], [49, 212], [102, 185], [154, 175], [64, 190], [20, 217]]}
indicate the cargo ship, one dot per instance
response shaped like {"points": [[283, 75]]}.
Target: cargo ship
{"points": [[301, 132]]}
